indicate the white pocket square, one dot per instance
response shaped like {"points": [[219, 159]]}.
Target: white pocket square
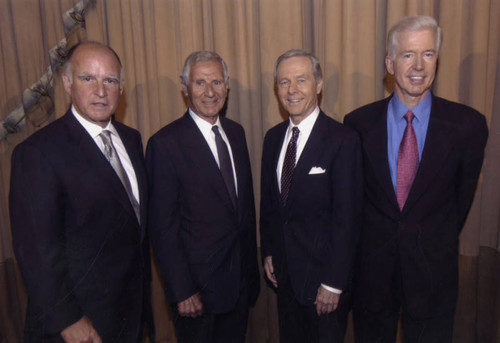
{"points": [[316, 170]]}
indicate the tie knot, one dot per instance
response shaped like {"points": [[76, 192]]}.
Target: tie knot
{"points": [[295, 133], [105, 136], [215, 129], [409, 116]]}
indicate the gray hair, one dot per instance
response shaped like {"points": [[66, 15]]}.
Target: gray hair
{"points": [[316, 67], [67, 69], [202, 56], [411, 24]]}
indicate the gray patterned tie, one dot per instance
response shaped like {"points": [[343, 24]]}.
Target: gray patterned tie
{"points": [[113, 158]]}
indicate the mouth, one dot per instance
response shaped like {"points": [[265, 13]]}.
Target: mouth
{"points": [[293, 101], [417, 79], [213, 102], [100, 104]]}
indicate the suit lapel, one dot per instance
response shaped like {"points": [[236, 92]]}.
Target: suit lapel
{"points": [[237, 148], [436, 147], [375, 145], [308, 156], [279, 139], [204, 159], [135, 153], [90, 155]]}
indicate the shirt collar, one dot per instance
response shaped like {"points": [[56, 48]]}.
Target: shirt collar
{"points": [[94, 130], [306, 125], [202, 124], [421, 111]]}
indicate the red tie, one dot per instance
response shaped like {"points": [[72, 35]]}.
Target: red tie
{"points": [[407, 161]]}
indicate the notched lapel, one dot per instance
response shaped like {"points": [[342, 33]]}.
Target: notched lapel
{"points": [[309, 157], [436, 149], [90, 155], [239, 152], [375, 145], [136, 158], [278, 144], [203, 158]]}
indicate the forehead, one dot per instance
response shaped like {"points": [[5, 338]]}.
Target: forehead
{"points": [[299, 65], [207, 69], [95, 59], [422, 40]]}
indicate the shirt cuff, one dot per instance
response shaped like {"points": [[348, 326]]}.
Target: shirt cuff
{"points": [[331, 289]]}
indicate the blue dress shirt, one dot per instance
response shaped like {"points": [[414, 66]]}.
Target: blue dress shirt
{"points": [[396, 125]]}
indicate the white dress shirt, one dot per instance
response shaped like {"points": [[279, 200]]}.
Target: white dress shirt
{"points": [[206, 130], [305, 128], [94, 131]]}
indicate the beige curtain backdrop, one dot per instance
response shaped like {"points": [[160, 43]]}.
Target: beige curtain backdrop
{"points": [[153, 37]]}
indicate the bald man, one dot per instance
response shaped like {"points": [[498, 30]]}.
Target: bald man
{"points": [[77, 207]]}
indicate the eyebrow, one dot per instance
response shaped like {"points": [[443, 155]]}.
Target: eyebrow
{"points": [[114, 77], [85, 75]]}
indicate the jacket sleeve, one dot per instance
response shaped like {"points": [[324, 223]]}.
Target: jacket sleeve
{"points": [[347, 190], [164, 222], [471, 162], [269, 213], [37, 213]]}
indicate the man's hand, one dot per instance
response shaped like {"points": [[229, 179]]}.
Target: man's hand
{"points": [[191, 307], [326, 301], [269, 268], [81, 332]]}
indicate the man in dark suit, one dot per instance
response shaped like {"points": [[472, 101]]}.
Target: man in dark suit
{"points": [[202, 214], [422, 158], [77, 226], [311, 199]]}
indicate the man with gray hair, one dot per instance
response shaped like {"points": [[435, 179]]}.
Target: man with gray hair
{"points": [[202, 214], [310, 205], [422, 159]]}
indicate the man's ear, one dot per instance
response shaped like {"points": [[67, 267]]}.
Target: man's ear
{"points": [[66, 83], [319, 86], [389, 65], [183, 86]]}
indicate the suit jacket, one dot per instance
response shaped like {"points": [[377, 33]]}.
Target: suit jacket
{"points": [[202, 243], [424, 235], [313, 237], [76, 237]]}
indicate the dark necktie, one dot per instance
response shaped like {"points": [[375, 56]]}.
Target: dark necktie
{"points": [[225, 166], [113, 158], [407, 161], [289, 165]]}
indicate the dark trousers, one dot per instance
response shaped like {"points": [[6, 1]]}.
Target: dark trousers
{"points": [[301, 324], [382, 326], [227, 327]]}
